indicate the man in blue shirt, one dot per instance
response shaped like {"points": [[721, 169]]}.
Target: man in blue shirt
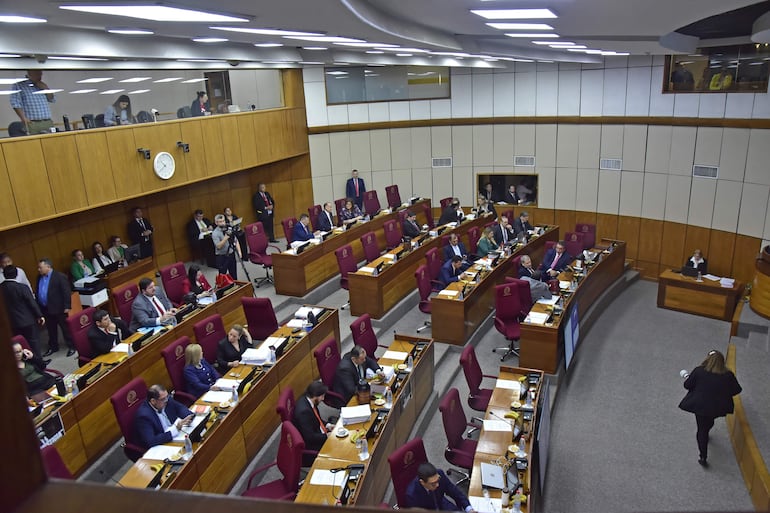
{"points": [[55, 299], [301, 232], [31, 106]]}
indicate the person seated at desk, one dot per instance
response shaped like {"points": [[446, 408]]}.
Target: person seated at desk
{"points": [[100, 259], [151, 307], [196, 283], [121, 109], [429, 488], [353, 367], [199, 375], [527, 271], [511, 197], [350, 213], [308, 420], [32, 372], [485, 207], [200, 105], [488, 193], [455, 248], [230, 349], [451, 270], [80, 267], [537, 288], [486, 243], [698, 262], [409, 227], [106, 332], [503, 231], [555, 261], [521, 225], [452, 214], [301, 232], [326, 218], [117, 250], [159, 419], [196, 226]]}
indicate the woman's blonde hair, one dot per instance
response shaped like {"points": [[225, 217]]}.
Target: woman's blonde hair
{"points": [[487, 232], [193, 354], [715, 362]]}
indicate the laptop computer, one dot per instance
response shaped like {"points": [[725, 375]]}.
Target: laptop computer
{"points": [[132, 253], [196, 435], [83, 381], [492, 476], [137, 344], [112, 267], [689, 271], [303, 247], [245, 382], [220, 292], [183, 311]]}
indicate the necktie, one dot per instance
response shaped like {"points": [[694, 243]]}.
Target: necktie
{"points": [[320, 422], [264, 198], [141, 223], [355, 182], [158, 305], [329, 216], [505, 233]]}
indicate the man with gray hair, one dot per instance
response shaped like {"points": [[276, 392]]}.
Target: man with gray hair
{"points": [[225, 246], [537, 288]]}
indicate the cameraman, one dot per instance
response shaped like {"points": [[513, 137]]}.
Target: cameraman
{"points": [[225, 246]]}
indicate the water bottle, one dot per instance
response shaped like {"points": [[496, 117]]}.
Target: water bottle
{"points": [[188, 450], [529, 399], [67, 125], [364, 450], [272, 354], [516, 503], [388, 398], [410, 362], [130, 349], [75, 390], [684, 374], [700, 277], [523, 444], [234, 398], [505, 498]]}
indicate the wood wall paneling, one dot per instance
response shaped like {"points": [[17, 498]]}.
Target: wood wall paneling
{"points": [[720, 253], [195, 160], [566, 221], [672, 246], [228, 127], [293, 88], [696, 237], [63, 166], [8, 214], [94, 157], [29, 179], [214, 152], [585, 217], [746, 251], [303, 194], [248, 141], [127, 165], [606, 226], [650, 237], [537, 216], [628, 231]]}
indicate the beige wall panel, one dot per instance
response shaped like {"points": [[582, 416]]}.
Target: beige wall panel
{"points": [[682, 150], [751, 219], [726, 206], [462, 146], [546, 187], [421, 152], [442, 185], [631, 188], [587, 193], [524, 139], [339, 149], [360, 151], [483, 145], [441, 141], [708, 144], [735, 147], [422, 181], [658, 149], [29, 179], [567, 144], [545, 145], [634, 147], [609, 192], [758, 157], [654, 196], [589, 142], [380, 180], [702, 194], [503, 145], [677, 198], [403, 177], [401, 148], [320, 156], [611, 143], [566, 187], [323, 190], [381, 151]]}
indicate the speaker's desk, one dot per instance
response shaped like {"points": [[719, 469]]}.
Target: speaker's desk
{"points": [[296, 275], [707, 298], [241, 431], [408, 401], [455, 318], [376, 294]]}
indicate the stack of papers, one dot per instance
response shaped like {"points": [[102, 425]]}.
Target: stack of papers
{"points": [[296, 323], [216, 397], [509, 384], [497, 425], [226, 384], [727, 282], [449, 293], [161, 452], [120, 348], [536, 318], [712, 277], [485, 504], [302, 312], [394, 355], [366, 269], [552, 301], [256, 356], [354, 414]]}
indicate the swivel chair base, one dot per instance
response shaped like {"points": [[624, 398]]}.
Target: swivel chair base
{"points": [[510, 350], [266, 279], [425, 326], [465, 475]]}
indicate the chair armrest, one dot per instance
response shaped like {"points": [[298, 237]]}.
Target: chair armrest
{"points": [[333, 399], [54, 372], [184, 398], [464, 453], [476, 423], [259, 471], [276, 248], [488, 376]]}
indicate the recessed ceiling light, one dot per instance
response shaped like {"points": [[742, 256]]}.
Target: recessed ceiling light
{"points": [[561, 45], [314, 48], [154, 13], [552, 42], [311, 63], [336, 72], [9, 55], [139, 91], [94, 80], [266, 32], [404, 55], [268, 45], [10, 18], [112, 91], [63, 58], [193, 80], [210, 40], [514, 14], [521, 26], [530, 35], [83, 91], [134, 79], [131, 32], [614, 53], [368, 45], [8, 81], [374, 51], [326, 39], [6, 93], [452, 54], [200, 60], [164, 80], [397, 49]]}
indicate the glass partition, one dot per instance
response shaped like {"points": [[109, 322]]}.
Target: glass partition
{"points": [[735, 69], [355, 84], [500, 186]]}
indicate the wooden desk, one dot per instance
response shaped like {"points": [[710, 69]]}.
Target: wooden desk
{"points": [[454, 320], [296, 275], [408, 402], [541, 346], [706, 298], [376, 295], [220, 458], [88, 418], [129, 274], [493, 445]]}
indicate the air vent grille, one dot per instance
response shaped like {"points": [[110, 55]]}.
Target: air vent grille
{"points": [[442, 162], [705, 171], [524, 160], [611, 164]]}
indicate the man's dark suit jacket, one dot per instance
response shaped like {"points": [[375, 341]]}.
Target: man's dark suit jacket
{"points": [[135, 232], [148, 427], [21, 306], [350, 191], [526, 273], [449, 252], [497, 231], [418, 497], [519, 227], [511, 198], [323, 221], [102, 342], [346, 376], [448, 273], [410, 229], [548, 262], [301, 233], [144, 314], [59, 293], [259, 204], [308, 424], [449, 215], [193, 231]]}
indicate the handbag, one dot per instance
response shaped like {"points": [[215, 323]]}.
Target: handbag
{"points": [[688, 403], [223, 280]]}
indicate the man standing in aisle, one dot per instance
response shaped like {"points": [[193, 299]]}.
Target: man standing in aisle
{"points": [[55, 299], [264, 206], [225, 246], [30, 105], [23, 311], [140, 231], [355, 189]]}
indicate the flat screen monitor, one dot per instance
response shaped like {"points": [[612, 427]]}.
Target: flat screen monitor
{"points": [[132, 253]]}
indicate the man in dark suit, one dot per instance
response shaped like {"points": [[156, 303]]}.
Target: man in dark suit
{"points": [[429, 488], [355, 189], [527, 271], [452, 214], [159, 419], [485, 207], [106, 332], [510, 195], [197, 225], [555, 261], [488, 193], [450, 270], [409, 227], [308, 420], [264, 206], [351, 369], [521, 225], [140, 232], [151, 307], [301, 231], [502, 231], [55, 299], [326, 218], [455, 248], [23, 311]]}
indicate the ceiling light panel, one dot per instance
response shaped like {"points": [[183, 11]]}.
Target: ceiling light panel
{"points": [[131, 32], [368, 45], [134, 79], [268, 45], [193, 81], [64, 58], [210, 40], [139, 91], [83, 91], [10, 18], [326, 39], [530, 35], [164, 80], [112, 91], [515, 14], [8, 93], [520, 26], [266, 32], [8, 81], [155, 13], [95, 80]]}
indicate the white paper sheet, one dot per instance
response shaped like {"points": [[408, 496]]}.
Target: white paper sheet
{"points": [[321, 477], [485, 504], [727, 283], [256, 356], [509, 384], [449, 293], [536, 318], [712, 277], [120, 348], [161, 452], [552, 301], [296, 323], [394, 355], [369, 270], [303, 311], [496, 425], [226, 384], [213, 396]]}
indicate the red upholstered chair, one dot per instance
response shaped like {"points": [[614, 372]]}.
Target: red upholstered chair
{"points": [[525, 295], [19, 339], [573, 243], [433, 258], [403, 464], [289, 462], [327, 357], [445, 202], [208, 333], [371, 202], [173, 356], [79, 325], [428, 216], [479, 397], [124, 298], [392, 233], [173, 277], [371, 249], [314, 212], [402, 216], [286, 403], [260, 317], [54, 464], [515, 264], [288, 229], [424, 288], [393, 196], [507, 313], [589, 234], [509, 215], [257, 241], [339, 204], [126, 402], [363, 334], [474, 234], [459, 450], [347, 264], [549, 244]]}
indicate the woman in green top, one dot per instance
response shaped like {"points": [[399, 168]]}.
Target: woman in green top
{"points": [[486, 243], [80, 267], [36, 379]]}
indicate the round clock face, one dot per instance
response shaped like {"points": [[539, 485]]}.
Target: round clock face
{"points": [[164, 165]]}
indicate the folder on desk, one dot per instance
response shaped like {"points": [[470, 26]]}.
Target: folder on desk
{"points": [[492, 476]]}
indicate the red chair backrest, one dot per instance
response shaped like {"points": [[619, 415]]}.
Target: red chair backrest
{"points": [[549, 244], [445, 202], [509, 215], [589, 234], [79, 324], [525, 294], [19, 339], [314, 212], [363, 334], [327, 357], [471, 369], [507, 302], [285, 406], [126, 402], [392, 233], [453, 417], [474, 234], [54, 464], [339, 204], [516, 263], [288, 228], [346, 262], [208, 333], [260, 316], [124, 298], [256, 240], [402, 216], [393, 196], [289, 456], [434, 263], [424, 287], [173, 355], [371, 202], [428, 216], [403, 464], [371, 249], [573, 243], [173, 277]]}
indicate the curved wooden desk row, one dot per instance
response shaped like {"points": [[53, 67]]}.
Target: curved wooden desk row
{"points": [[296, 275], [376, 295], [88, 418], [229, 446], [760, 290], [454, 320], [408, 402], [685, 294]]}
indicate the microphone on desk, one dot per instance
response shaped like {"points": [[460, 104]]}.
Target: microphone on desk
{"points": [[501, 418]]}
